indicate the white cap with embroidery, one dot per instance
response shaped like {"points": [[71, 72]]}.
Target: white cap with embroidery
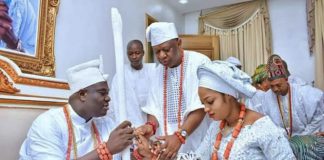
{"points": [[86, 74], [160, 32]]}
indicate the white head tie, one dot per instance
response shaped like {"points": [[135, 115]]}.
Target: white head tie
{"points": [[224, 77]]}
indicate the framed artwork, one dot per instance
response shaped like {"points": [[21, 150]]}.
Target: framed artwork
{"points": [[29, 39], [149, 55]]}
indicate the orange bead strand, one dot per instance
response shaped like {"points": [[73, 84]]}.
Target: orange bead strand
{"points": [[235, 134]]}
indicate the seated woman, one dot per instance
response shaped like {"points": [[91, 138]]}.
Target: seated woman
{"points": [[237, 132]]}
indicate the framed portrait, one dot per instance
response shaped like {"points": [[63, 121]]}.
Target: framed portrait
{"points": [[27, 35]]}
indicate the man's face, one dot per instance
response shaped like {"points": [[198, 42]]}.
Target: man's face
{"points": [[279, 86], [168, 53], [97, 99], [135, 55]]}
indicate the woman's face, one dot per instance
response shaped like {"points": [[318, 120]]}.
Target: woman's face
{"points": [[216, 104], [264, 85]]}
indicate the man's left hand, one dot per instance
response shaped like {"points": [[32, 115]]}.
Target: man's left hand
{"points": [[170, 147]]}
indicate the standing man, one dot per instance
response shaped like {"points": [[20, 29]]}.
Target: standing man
{"points": [[137, 78], [74, 131], [174, 109]]}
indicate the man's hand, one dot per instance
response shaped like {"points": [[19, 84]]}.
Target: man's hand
{"points": [[120, 138], [320, 134], [170, 147], [145, 130], [144, 149]]}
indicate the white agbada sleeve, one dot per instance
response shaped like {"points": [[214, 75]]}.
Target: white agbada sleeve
{"points": [[192, 82], [307, 109], [313, 101], [44, 140]]}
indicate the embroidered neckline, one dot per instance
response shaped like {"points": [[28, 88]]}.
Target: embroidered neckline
{"points": [[165, 77]]}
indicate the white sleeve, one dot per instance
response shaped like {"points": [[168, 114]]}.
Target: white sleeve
{"points": [[314, 107], [204, 150], [44, 140], [274, 144]]}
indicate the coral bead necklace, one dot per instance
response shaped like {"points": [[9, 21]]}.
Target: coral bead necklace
{"points": [[290, 118], [71, 138], [235, 133]]}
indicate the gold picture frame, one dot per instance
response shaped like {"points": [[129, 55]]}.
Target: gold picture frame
{"points": [[149, 56], [43, 61]]}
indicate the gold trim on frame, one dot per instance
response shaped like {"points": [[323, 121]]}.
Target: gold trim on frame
{"points": [[32, 102], [5, 85], [43, 63], [30, 81]]}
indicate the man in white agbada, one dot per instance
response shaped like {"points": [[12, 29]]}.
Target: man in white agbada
{"points": [[173, 104], [76, 130], [137, 78], [294, 107], [252, 135]]}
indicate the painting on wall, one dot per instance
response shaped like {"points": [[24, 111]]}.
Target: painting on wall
{"points": [[27, 34]]}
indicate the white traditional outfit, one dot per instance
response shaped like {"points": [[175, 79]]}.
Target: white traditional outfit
{"points": [[158, 33], [296, 80], [49, 134], [307, 107], [258, 141], [299, 112], [302, 106], [138, 83]]}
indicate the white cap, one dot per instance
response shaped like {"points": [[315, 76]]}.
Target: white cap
{"points": [[234, 61], [86, 74], [160, 32], [224, 77]]}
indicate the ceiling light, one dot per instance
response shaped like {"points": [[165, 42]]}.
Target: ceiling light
{"points": [[183, 1]]}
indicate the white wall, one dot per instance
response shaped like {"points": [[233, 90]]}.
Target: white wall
{"points": [[191, 22], [84, 31], [289, 35]]}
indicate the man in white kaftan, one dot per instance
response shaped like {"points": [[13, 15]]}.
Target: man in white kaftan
{"points": [[307, 103], [174, 112], [77, 129], [48, 136], [137, 83], [191, 101], [307, 108]]}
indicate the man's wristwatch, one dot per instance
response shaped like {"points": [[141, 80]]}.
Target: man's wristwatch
{"points": [[183, 133]]}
